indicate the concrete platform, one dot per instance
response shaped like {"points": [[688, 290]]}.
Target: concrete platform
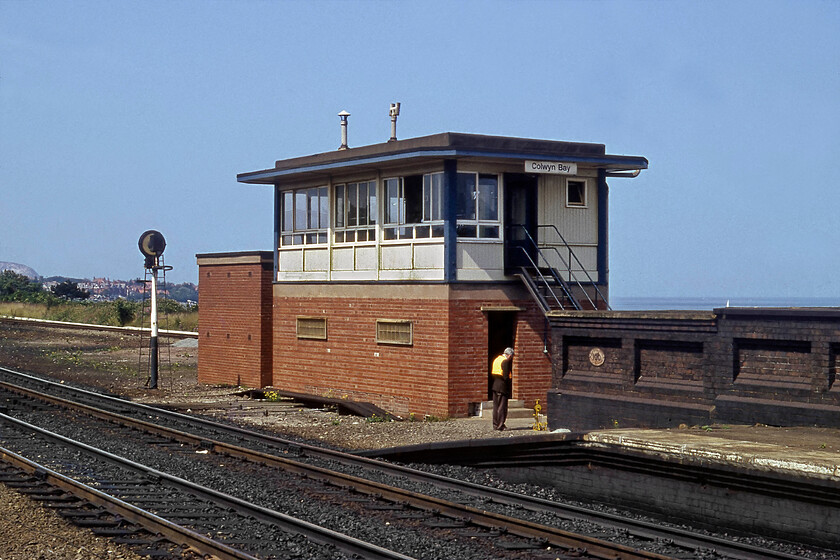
{"points": [[808, 452]]}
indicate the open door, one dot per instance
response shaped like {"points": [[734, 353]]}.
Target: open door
{"points": [[501, 333], [520, 221]]}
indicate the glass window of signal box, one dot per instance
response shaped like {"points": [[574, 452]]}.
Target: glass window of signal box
{"points": [[413, 207], [478, 205], [355, 212], [304, 216]]}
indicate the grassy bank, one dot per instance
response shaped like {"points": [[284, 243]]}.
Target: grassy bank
{"points": [[119, 313]]}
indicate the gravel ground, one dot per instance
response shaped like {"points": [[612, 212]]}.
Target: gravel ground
{"points": [[109, 362], [31, 532]]}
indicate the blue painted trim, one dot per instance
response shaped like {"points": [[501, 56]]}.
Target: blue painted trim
{"points": [[631, 162], [603, 228], [450, 232], [276, 248]]}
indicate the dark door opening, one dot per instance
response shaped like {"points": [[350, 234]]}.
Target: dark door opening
{"points": [[520, 221], [501, 333]]}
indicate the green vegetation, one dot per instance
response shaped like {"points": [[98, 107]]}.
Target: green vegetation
{"points": [[17, 287], [69, 290], [22, 297], [119, 313]]}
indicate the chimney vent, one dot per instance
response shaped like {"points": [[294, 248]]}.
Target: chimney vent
{"points": [[343, 115], [394, 112]]}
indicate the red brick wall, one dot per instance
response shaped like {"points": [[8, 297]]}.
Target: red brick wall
{"points": [[441, 374], [350, 363], [234, 301], [247, 336]]}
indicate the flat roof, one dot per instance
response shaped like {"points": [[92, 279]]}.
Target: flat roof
{"points": [[446, 145]]}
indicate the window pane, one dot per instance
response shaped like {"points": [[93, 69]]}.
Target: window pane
{"points": [[437, 231], [465, 230], [488, 201], [301, 210], [352, 205], [466, 196], [314, 208], [427, 198], [394, 213], [412, 199], [363, 204], [288, 211], [576, 193], [372, 202], [437, 196], [339, 206], [324, 208], [489, 231]]}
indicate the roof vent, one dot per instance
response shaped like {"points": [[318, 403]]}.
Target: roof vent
{"points": [[343, 115], [394, 112]]}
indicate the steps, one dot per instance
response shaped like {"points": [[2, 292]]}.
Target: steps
{"points": [[516, 409]]}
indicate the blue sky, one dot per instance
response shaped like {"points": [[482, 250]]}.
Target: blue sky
{"points": [[119, 117]]}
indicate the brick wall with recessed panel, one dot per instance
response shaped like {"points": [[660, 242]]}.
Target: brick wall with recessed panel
{"points": [[657, 369]]}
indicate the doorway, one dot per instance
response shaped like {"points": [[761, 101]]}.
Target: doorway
{"points": [[520, 217], [501, 333]]}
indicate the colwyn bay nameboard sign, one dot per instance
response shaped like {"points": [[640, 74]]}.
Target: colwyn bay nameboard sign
{"points": [[552, 167]]}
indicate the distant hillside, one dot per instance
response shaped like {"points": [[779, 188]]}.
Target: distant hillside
{"points": [[19, 269]]}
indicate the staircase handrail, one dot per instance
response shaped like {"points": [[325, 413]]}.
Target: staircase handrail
{"points": [[572, 275], [580, 264], [544, 280]]}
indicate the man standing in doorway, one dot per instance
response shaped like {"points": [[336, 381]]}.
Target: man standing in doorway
{"points": [[501, 372]]}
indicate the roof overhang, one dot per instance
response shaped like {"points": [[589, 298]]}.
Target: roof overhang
{"points": [[448, 145]]}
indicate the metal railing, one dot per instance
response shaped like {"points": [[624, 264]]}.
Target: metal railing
{"points": [[534, 288], [581, 283]]}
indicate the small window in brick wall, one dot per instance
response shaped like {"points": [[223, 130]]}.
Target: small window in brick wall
{"points": [[389, 331], [312, 327]]}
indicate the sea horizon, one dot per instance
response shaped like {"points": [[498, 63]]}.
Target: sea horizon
{"points": [[708, 303]]}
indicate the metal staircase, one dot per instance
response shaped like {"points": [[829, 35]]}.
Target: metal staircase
{"points": [[546, 284]]}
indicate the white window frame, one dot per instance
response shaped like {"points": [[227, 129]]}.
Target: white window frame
{"points": [[569, 203], [478, 222], [313, 231], [396, 228], [341, 230]]}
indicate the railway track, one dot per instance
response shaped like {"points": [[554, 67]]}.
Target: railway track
{"points": [[472, 521]]}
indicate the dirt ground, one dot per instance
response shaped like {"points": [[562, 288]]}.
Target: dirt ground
{"points": [[111, 361]]}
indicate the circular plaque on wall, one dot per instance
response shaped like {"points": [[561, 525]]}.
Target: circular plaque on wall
{"points": [[596, 357]]}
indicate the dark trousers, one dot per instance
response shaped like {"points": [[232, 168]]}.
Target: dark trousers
{"points": [[500, 409]]}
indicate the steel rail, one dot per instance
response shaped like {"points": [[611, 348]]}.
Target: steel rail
{"points": [[556, 537], [148, 520], [643, 529], [293, 525]]}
